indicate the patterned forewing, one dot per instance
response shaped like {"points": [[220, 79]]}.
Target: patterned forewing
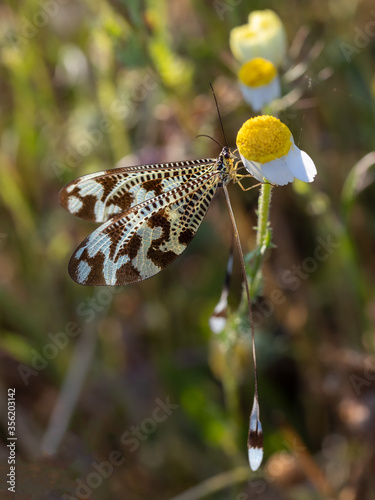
{"points": [[100, 196], [147, 238]]}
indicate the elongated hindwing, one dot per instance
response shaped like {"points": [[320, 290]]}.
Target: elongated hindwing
{"points": [[149, 215]]}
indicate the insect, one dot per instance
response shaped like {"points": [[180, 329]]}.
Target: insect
{"points": [[149, 215]]}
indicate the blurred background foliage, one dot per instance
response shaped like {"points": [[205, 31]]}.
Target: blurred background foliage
{"points": [[84, 84]]}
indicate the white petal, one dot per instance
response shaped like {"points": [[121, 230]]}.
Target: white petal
{"points": [[254, 96], [261, 95], [300, 164], [277, 171], [253, 167], [259, 98], [274, 89]]}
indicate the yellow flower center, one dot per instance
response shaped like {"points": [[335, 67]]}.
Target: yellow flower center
{"points": [[263, 138], [257, 72]]}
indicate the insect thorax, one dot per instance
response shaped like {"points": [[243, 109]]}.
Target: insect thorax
{"points": [[225, 164]]}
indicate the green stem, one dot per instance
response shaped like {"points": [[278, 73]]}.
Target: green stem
{"points": [[263, 213], [262, 239]]}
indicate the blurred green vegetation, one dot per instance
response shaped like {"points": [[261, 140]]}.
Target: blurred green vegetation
{"points": [[84, 84]]}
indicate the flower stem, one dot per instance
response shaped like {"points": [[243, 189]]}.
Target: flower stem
{"points": [[263, 240], [263, 213]]}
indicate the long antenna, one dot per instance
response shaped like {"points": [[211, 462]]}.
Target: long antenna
{"points": [[218, 112], [205, 135], [255, 437]]}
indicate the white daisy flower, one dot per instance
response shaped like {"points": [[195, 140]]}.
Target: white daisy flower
{"points": [[263, 36], [268, 151], [259, 82]]}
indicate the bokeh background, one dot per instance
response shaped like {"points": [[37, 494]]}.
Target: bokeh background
{"points": [[124, 393]]}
